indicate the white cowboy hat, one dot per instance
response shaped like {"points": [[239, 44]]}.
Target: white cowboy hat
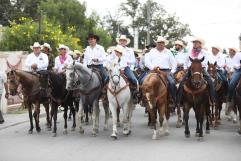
{"points": [[78, 52], [178, 42], [62, 46], [47, 46], [161, 39], [35, 45], [234, 49], [110, 49], [217, 47], [199, 40], [123, 37], [119, 48]]}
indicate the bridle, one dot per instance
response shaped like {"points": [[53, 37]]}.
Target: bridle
{"points": [[197, 83]]}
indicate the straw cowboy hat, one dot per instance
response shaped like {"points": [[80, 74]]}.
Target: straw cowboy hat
{"points": [[78, 52], [234, 49], [62, 46], [123, 37], [46, 45], [178, 42], [119, 49], [110, 49], [217, 47], [197, 39], [35, 45], [161, 39]]}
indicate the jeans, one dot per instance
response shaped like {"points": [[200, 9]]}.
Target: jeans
{"points": [[233, 83], [102, 70], [130, 75], [142, 76], [206, 76]]}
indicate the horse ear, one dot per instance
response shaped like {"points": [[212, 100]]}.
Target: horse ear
{"points": [[215, 64], [208, 63], [202, 59], [190, 59]]}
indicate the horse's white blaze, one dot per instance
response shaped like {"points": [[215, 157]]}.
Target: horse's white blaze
{"points": [[148, 100]]}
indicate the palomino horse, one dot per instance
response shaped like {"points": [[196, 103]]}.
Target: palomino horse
{"points": [[220, 89], [154, 90], [119, 96], [31, 95], [60, 97], [237, 103], [90, 87], [196, 95]]}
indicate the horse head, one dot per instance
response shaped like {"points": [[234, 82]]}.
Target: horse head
{"points": [[212, 69], [114, 73], [196, 73], [13, 82]]}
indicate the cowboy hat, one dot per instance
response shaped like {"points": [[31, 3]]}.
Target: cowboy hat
{"points": [[119, 49], [35, 45], [91, 35], [110, 49], [123, 37], [197, 39], [78, 52], [234, 49], [178, 42], [161, 39], [217, 47], [62, 46], [46, 45]]}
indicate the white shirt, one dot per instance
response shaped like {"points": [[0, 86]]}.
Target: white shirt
{"points": [[200, 56], [163, 60], [219, 58], [129, 55], [3, 79], [41, 60], [58, 66], [237, 60], [98, 52], [182, 59], [230, 64], [114, 59]]}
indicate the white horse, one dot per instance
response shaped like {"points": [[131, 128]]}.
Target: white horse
{"points": [[119, 96]]}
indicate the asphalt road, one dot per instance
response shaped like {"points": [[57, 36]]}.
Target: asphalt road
{"points": [[223, 144]]}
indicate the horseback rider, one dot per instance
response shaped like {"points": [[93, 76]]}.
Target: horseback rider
{"points": [[46, 48], [38, 62], [129, 56], [79, 56], [95, 56], [197, 52], [236, 61], [162, 58], [217, 56], [63, 60], [180, 56]]}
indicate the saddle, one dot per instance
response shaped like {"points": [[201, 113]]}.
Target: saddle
{"points": [[44, 83]]}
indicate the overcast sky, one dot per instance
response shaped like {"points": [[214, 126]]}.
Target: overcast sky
{"points": [[216, 21]]}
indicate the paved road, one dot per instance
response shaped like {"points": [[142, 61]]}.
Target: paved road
{"points": [[221, 145]]}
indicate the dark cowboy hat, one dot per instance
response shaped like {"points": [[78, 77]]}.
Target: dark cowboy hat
{"points": [[91, 35]]}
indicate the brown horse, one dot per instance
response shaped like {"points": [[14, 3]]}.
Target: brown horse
{"points": [[196, 95], [220, 89], [31, 95], [237, 103], [154, 89]]}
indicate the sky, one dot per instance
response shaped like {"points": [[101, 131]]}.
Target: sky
{"points": [[218, 22]]}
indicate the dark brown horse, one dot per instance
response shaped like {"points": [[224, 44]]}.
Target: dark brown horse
{"points": [[237, 103], [31, 91], [220, 89], [154, 90], [196, 95]]}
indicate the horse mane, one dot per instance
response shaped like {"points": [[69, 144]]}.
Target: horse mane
{"points": [[80, 67]]}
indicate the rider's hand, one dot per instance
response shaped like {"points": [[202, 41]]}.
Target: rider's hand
{"points": [[34, 66], [6, 95]]}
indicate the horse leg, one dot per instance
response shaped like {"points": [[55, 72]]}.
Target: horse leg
{"points": [[70, 114], [161, 111], [29, 106], [96, 112], [153, 123], [125, 119], [55, 111], [186, 110], [207, 121], [239, 131], [80, 116], [118, 117], [46, 105], [216, 115], [179, 117], [235, 115], [72, 109], [65, 119], [114, 121], [197, 121], [36, 116], [107, 113]]}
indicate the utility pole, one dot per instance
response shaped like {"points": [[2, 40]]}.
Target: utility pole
{"points": [[148, 22]]}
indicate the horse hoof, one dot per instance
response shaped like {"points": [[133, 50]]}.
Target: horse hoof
{"points": [[94, 134], [38, 130], [81, 131], [69, 119], [105, 128], [234, 121], [118, 124], [207, 131], [86, 123], [126, 132], [166, 133], [187, 135], [30, 131], [197, 134], [154, 137], [113, 136], [49, 129], [54, 135], [73, 129], [178, 125], [200, 138], [65, 132]]}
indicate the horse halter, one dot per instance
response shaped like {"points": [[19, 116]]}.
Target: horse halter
{"points": [[13, 82]]}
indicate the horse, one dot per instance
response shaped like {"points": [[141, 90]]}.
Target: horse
{"points": [[196, 95], [237, 103], [119, 96], [31, 91], [220, 89], [90, 86], [155, 94], [61, 97]]}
